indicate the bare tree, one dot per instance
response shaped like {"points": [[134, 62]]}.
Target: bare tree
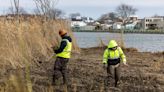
{"points": [[14, 9], [107, 16], [44, 7], [53, 13], [124, 11], [22, 11], [14, 6], [73, 15], [56, 13], [36, 11], [11, 10]]}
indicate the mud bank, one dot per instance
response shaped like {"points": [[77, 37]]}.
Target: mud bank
{"points": [[86, 74]]}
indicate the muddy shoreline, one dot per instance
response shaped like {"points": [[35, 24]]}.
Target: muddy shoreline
{"points": [[86, 74]]}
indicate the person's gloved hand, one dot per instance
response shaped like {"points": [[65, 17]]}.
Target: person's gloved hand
{"points": [[125, 64]]}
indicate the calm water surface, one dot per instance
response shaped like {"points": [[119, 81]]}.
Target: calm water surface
{"points": [[143, 42]]}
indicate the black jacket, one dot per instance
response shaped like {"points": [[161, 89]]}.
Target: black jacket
{"points": [[63, 44]]}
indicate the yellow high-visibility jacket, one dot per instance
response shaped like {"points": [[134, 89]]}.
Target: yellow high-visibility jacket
{"points": [[114, 54]]}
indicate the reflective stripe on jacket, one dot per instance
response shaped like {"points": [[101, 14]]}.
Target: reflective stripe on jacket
{"points": [[66, 53], [113, 54]]}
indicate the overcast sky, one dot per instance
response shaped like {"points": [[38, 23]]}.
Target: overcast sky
{"points": [[94, 8]]}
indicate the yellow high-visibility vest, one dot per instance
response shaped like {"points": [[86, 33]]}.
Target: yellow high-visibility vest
{"points": [[66, 53]]}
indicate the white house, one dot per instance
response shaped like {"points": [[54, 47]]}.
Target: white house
{"points": [[88, 19], [117, 25], [131, 25], [77, 22], [133, 18], [106, 26]]}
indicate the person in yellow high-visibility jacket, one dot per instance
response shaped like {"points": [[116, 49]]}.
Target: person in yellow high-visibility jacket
{"points": [[112, 57], [63, 53]]}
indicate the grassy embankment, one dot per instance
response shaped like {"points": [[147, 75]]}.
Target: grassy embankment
{"points": [[23, 44]]}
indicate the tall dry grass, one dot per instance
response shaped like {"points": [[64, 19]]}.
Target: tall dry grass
{"points": [[25, 42]]}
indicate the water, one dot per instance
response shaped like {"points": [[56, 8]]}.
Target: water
{"points": [[143, 42]]}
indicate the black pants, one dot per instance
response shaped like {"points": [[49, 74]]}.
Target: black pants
{"points": [[60, 67], [113, 72]]}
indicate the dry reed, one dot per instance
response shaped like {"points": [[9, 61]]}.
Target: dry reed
{"points": [[25, 42]]}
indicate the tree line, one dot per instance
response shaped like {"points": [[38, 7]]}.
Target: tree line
{"points": [[43, 7], [48, 9]]}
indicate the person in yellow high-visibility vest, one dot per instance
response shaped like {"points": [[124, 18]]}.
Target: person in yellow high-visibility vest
{"points": [[112, 57], [63, 53]]}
